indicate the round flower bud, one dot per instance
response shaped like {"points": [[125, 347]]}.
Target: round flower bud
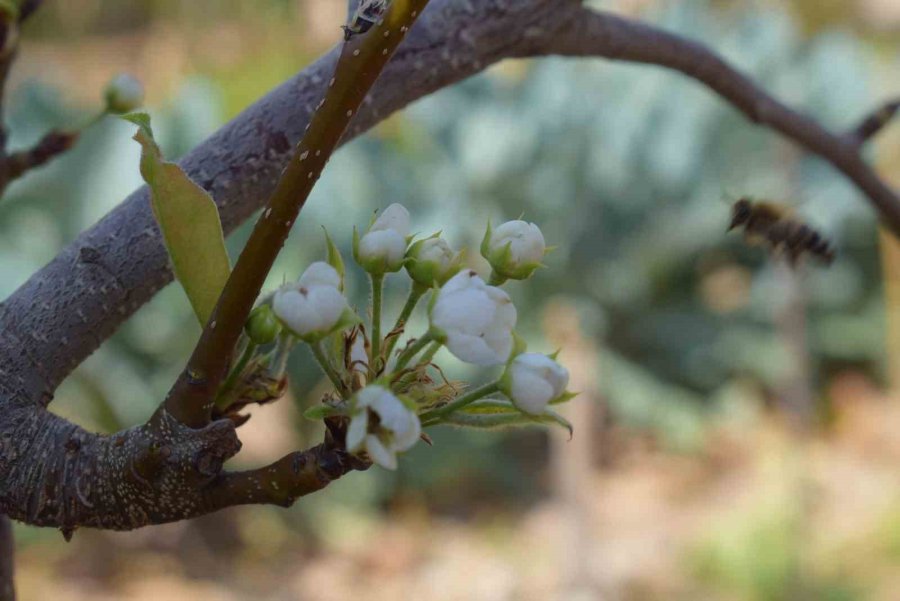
{"points": [[313, 307], [262, 326], [123, 94], [397, 427], [382, 248], [474, 320], [431, 262], [532, 381], [514, 250]]}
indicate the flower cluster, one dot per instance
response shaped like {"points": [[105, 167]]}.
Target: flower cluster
{"points": [[387, 389]]}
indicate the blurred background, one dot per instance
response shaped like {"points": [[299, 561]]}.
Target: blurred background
{"points": [[736, 436]]}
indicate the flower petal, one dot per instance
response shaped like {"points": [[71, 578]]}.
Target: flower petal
{"points": [[379, 453], [356, 433]]}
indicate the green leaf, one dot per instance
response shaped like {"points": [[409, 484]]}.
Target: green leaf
{"points": [[494, 416], [489, 407], [320, 412], [189, 221]]}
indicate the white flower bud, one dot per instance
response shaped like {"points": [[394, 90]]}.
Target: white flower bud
{"points": [[515, 249], [313, 307], [474, 320], [431, 262], [320, 273], [123, 94], [532, 381], [397, 428], [383, 247]]}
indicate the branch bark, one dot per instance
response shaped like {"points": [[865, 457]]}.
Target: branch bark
{"points": [[53, 473]]}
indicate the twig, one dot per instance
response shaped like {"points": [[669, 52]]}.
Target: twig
{"points": [[362, 60], [874, 123]]}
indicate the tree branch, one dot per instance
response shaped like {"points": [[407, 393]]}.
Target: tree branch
{"points": [[600, 34], [361, 61], [53, 473], [874, 123]]}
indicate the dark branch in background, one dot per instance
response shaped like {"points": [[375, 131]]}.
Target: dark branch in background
{"points": [[57, 318], [14, 165], [600, 34], [874, 123], [7, 552]]}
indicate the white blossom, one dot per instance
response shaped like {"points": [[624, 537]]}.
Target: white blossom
{"points": [[515, 249], [432, 262], [396, 429], [383, 247], [313, 307], [533, 380], [474, 320], [123, 94]]}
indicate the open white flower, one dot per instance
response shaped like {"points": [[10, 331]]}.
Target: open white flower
{"points": [[395, 429], [474, 320], [431, 262], [532, 381], [515, 249], [313, 307], [123, 94], [383, 247]]}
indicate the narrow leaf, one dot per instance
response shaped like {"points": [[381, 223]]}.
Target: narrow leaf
{"points": [[320, 412], [189, 221]]}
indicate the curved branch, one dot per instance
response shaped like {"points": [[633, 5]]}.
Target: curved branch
{"points": [[601, 34], [65, 310], [57, 318]]}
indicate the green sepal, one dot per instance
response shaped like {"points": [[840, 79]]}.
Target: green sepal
{"points": [[322, 411], [564, 398], [334, 257], [486, 242]]}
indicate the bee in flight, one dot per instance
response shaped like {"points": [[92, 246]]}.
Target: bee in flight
{"points": [[776, 227], [366, 15]]}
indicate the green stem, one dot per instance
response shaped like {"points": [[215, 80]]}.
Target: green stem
{"points": [[411, 351], [415, 294], [469, 397], [282, 351], [377, 291], [431, 352], [235, 374], [319, 353]]}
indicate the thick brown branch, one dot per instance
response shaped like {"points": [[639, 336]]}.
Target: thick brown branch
{"points": [[57, 318], [56, 474], [68, 308]]}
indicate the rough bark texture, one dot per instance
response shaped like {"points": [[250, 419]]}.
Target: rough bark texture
{"points": [[53, 473]]}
